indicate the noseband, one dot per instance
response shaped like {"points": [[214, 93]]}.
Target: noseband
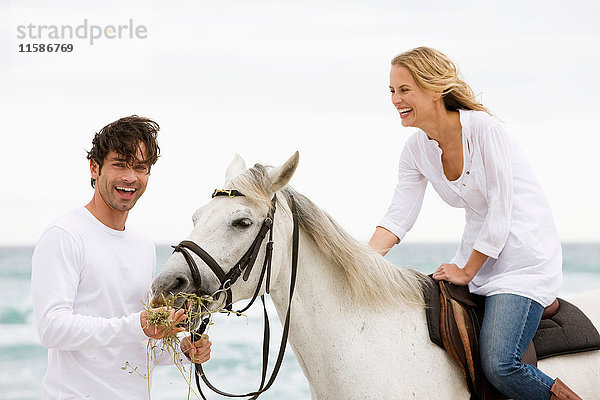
{"points": [[227, 279]]}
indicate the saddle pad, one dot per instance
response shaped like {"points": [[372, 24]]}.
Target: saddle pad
{"points": [[569, 331]]}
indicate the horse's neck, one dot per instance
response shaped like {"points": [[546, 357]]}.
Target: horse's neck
{"points": [[331, 332], [320, 287]]}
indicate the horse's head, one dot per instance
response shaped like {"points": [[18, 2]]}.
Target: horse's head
{"points": [[225, 228]]}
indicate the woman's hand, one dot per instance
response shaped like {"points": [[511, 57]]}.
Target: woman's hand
{"points": [[198, 351], [452, 274]]}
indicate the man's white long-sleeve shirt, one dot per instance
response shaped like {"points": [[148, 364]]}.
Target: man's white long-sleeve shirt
{"points": [[507, 215], [88, 284]]}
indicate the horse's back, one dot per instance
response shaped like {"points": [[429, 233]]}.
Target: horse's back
{"points": [[579, 371]]}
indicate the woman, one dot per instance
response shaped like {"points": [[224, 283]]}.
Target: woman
{"points": [[510, 251]]}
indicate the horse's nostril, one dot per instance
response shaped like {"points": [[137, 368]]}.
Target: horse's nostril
{"points": [[179, 285]]}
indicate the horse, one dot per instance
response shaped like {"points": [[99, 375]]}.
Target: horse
{"points": [[358, 326]]}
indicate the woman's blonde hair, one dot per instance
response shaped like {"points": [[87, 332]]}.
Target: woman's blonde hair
{"points": [[434, 71]]}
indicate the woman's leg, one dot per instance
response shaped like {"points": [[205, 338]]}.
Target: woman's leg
{"points": [[509, 324]]}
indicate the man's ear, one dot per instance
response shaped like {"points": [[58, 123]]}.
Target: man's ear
{"points": [[94, 169]]}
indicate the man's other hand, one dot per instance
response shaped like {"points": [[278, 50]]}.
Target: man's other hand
{"points": [[198, 351]]}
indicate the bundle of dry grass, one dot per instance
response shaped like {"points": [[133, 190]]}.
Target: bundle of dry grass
{"points": [[159, 311]]}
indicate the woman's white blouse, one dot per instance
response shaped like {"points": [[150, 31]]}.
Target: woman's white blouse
{"points": [[507, 215]]}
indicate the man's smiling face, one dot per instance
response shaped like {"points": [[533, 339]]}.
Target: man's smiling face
{"points": [[121, 184]]}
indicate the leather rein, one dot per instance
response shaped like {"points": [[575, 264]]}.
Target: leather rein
{"points": [[244, 266]]}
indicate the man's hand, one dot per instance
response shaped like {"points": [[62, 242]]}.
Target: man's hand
{"points": [[451, 273], [198, 351], [159, 331]]}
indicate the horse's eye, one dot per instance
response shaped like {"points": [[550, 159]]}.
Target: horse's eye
{"points": [[242, 223]]}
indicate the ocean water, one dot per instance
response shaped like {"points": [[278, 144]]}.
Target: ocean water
{"points": [[236, 355]]}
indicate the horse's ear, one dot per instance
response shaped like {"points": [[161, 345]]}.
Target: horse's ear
{"points": [[281, 175], [236, 167]]}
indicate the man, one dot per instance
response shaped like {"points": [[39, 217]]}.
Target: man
{"points": [[90, 273]]}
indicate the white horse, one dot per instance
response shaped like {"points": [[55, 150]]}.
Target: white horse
{"points": [[358, 326]]}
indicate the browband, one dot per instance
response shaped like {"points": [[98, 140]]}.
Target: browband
{"points": [[225, 192]]}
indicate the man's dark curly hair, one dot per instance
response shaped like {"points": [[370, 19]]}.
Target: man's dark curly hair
{"points": [[125, 136]]}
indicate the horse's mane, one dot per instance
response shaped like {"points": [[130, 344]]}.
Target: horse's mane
{"points": [[372, 279]]}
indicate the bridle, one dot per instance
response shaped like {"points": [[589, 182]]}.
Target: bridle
{"points": [[244, 265], [227, 279]]}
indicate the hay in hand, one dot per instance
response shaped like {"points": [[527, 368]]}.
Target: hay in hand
{"points": [[158, 317], [158, 313]]}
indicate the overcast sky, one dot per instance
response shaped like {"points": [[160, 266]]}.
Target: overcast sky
{"points": [[266, 78]]}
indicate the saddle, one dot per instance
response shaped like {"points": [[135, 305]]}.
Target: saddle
{"points": [[454, 318]]}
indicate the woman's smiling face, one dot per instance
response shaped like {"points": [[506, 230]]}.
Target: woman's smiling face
{"points": [[413, 103]]}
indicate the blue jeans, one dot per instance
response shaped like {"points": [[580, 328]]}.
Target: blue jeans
{"points": [[509, 324]]}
